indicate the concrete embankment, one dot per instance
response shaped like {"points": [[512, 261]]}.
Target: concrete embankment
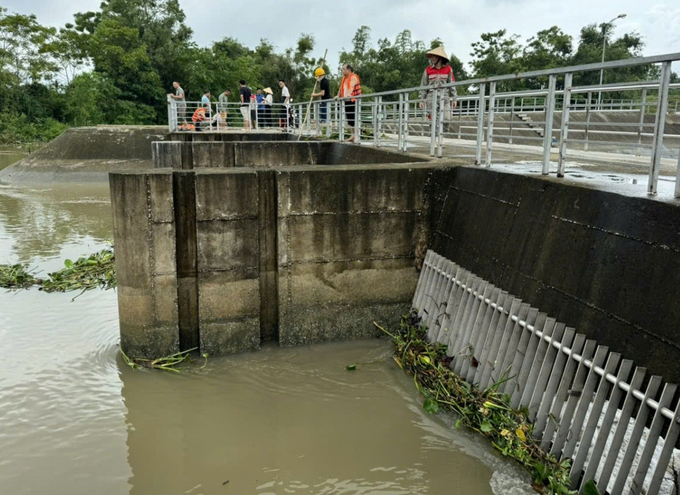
{"points": [[603, 262], [87, 154]]}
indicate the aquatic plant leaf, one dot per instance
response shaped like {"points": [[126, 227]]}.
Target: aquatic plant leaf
{"points": [[68, 263], [590, 488], [485, 426], [430, 406], [351, 367]]}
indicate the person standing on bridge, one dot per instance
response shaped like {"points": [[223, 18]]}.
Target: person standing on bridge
{"points": [[325, 94], [350, 86], [181, 103], [223, 104], [246, 93], [268, 102], [438, 73]]}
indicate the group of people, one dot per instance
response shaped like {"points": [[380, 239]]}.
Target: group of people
{"points": [[256, 109]]}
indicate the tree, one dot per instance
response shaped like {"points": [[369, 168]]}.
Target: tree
{"points": [[498, 54]]}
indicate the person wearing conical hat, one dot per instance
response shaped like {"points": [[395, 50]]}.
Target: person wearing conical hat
{"points": [[438, 73], [268, 102]]}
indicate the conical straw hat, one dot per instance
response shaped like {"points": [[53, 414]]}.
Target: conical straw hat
{"points": [[268, 90], [439, 52]]}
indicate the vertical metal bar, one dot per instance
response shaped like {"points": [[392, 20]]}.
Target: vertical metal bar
{"points": [[357, 121], [489, 131], [587, 126], [440, 296], [622, 429], [484, 362], [457, 323], [420, 286], [564, 129], [516, 351], [665, 454], [462, 345], [585, 400], [608, 419], [456, 310], [586, 437], [400, 128], [510, 337], [652, 440], [480, 123], [659, 126], [407, 108], [548, 128], [677, 178], [432, 281], [503, 326], [440, 123], [512, 118], [341, 136], [527, 359], [556, 392], [374, 119], [460, 117], [476, 330], [482, 335], [550, 329], [451, 304], [641, 120], [433, 122]]}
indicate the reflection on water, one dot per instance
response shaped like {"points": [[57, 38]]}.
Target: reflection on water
{"points": [[75, 419]]}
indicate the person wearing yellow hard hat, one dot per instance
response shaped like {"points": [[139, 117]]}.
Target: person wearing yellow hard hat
{"points": [[324, 92], [438, 73]]}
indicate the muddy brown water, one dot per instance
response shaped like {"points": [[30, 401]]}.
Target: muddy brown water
{"points": [[75, 419]]}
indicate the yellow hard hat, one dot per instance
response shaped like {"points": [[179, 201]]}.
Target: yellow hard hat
{"points": [[319, 72]]}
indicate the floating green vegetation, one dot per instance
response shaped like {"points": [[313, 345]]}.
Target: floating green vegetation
{"points": [[96, 270], [16, 277], [486, 411], [167, 363]]}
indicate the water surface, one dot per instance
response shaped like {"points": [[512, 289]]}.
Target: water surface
{"points": [[75, 419]]}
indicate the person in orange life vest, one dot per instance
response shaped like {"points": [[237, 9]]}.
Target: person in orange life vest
{"points": [[350, 86], [438, 73], [199, 117]]}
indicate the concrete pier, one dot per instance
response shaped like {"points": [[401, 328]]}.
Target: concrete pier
{"points": [[296, 253]]}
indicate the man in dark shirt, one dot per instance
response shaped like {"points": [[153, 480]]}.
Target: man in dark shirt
{"points": [[245, 104], [324, 93]]}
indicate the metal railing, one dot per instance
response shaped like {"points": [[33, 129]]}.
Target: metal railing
{"points": [[585, 403], [194, 116], [555, 119]]}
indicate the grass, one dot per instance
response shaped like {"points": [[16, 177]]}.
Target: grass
{"points": [[485, 411]]}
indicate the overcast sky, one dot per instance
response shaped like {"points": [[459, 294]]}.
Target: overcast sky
{"points": [[458, 23]]}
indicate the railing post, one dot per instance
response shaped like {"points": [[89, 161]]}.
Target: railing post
{"points": [[643, 104], [400, 128], [407, 108], [433, 122], [440, 122], [341, 117], [480, 123], [549, 113], [677, 178], [564, 128], [357, 121], [489, 132], [587, 126], [512, 118], [659, 126]]}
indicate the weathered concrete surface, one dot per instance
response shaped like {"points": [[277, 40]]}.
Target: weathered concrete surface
{"points": [[605, 263], [223, 154], [87, 154], [144, 233], [348, 238], [227, 232]]}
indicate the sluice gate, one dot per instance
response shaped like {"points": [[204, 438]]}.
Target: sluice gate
{"points": [[617, 423]]}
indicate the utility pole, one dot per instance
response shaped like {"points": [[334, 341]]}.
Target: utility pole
{"points": [[604, 45]]}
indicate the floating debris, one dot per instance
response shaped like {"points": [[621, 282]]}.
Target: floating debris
{"points": [[96, 270], [486, 411], [167, 363], [16, 277]]}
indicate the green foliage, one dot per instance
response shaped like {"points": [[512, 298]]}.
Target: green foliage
{"points": [[486, 411], [15, 277]]}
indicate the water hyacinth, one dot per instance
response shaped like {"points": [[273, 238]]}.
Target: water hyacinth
{"points": [[486, 411]]}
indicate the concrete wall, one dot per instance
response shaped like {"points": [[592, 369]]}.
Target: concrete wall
{"points": [[294, 254], [87, 154], [219, 154], [347, 240], [144, 233], [605, 263]]}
